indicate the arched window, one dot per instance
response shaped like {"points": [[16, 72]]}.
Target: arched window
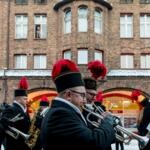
{"points": [[67, 54], [67, 21], [98, 21], [98, 55], [82, 19]]}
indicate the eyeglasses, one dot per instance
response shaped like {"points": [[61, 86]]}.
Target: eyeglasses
{"points": [[91, 94], [83, 95]]}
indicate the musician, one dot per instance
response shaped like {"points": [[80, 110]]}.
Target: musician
{"points": [[145, 119], [44, 104], [64, 126], [18, 107], [98, 70]]}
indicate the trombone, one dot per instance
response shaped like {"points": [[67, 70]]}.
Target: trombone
{"points": [[90, 109]]}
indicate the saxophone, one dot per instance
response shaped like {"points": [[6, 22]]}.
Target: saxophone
{"points": [[35, 131]]}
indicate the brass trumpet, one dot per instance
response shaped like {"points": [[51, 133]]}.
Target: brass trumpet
{"points": [[129, 135]]}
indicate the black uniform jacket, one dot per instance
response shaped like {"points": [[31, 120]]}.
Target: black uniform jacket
{"points": [[22, 125], [145, 121], [64, 128]]}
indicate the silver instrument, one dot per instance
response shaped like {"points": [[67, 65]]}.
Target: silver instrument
{"points": [[15, 133], [129, 135]]}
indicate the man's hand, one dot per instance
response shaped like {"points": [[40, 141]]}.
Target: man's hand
{"points": [[4, 123], [111, 119]]}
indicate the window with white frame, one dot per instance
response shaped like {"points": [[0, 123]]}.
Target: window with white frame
{"points": [[82, 19], [145, 25], [126, 61], [20, 61], [40, 26], [40, 61], [126, 26], [21, 27], [98, 21], [40, 1], [98, 55], [144, 1], [21, 2], [82, 56], [145, 61], [67, 54], [126, 1], [67, 21]]}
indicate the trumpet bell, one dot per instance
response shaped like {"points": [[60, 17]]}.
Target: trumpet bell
{"points": [[15, 133]]}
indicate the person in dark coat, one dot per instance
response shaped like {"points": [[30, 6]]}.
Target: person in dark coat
{"points": [[44, 104], [18, 108], [94, 97], [64, 126], [142, 127]]}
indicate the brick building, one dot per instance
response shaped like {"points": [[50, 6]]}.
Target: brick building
{"points": [[35, 33]]}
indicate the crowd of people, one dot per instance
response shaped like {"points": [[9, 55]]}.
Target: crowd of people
{"points": [[65, 123]]}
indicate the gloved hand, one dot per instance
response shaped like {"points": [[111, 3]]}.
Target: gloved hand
{"points": [[111, 120], [38, 121], [4, 123]]}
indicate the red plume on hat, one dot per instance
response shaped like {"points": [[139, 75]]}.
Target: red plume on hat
{"points": [[63, 66], [23, 83], [99, 97], [135, 94], [22, 87], [98, 69], [44, 101], [66, 74]]}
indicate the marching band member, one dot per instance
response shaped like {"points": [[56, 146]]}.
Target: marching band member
{"points": [[64, 126], [18, 108], [44, 104]]}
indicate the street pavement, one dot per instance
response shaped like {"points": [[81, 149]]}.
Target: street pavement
{"points": [[132, 146]]}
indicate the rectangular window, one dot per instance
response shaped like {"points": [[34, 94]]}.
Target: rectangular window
{"points": [[126, 26], [40, 26], [40, 61], [126, 1], [98, 55], [21, 28], [144, 1], [82, 19], [145, 61], [145, 25], [67, 54], [82, 56], [127, 61], [20, 2], [20, 61], [40, 1]]}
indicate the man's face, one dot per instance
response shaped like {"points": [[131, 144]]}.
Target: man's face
{"points": [[23, 101], [90, 95], [77, 96]]}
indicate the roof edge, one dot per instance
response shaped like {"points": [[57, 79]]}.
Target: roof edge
{"points": [[64, 2]]}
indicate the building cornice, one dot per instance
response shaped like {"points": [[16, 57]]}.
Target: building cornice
{"points": [[64, 2], [48, 73], [27, 73], [129, 73]]}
